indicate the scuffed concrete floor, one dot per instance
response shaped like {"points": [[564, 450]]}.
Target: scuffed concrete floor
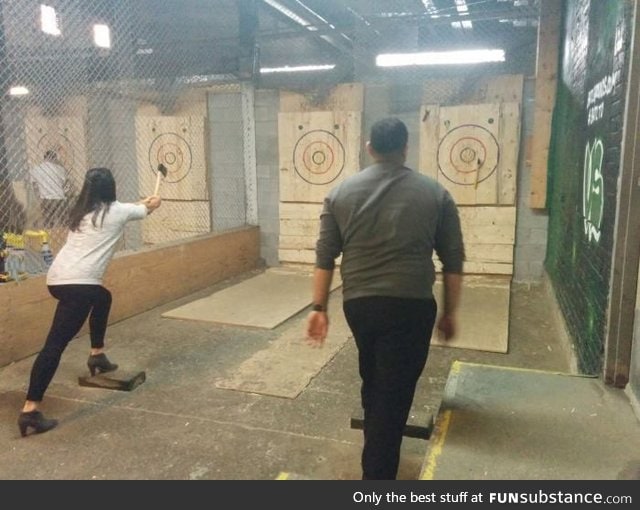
{"points": [[179, 426]]}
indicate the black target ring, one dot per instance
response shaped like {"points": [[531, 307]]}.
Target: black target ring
{"points": [[318, 157], [174, 152], [465, 151]]}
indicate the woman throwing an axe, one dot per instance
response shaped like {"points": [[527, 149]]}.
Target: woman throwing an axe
{"points": [[96, 222]]}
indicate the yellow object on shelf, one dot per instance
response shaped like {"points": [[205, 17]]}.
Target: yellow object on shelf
{"points": [[13, 240]]}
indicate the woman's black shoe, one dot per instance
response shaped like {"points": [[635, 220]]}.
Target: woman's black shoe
{"points": [[35, 420], [100, 363]]}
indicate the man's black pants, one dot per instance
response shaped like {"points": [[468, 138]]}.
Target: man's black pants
{"points": [[393, 336]]}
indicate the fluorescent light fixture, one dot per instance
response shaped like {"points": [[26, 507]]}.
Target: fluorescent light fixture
{"points": [[461, 24], [439, 58], [101, 36], [296, 69], [429, 6], [289, 14], [49, 20], [18, 90], [463, 10]]}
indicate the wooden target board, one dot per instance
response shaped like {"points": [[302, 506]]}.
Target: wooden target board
{"points": [[472, 150], [317, 151], [64, 135], [178, 143]]}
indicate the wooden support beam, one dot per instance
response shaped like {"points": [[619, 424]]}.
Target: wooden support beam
{"points": [[549, 30]]}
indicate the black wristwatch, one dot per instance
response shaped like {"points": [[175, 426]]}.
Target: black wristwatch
{"points": [[318, 308]]}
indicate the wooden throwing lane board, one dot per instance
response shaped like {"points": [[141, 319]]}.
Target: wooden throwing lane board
{"points": [[472, 150], [178, 143], [317, 151]]}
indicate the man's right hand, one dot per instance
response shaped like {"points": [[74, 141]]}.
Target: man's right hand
{"points": [[317, 328], [447, 327]]}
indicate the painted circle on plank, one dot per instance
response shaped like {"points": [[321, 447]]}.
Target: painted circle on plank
{"points": [[318, 157], [468, 155], [61, 145], [174, 152]]}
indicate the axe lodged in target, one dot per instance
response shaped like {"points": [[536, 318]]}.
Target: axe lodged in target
{"points": [[162, 173]]}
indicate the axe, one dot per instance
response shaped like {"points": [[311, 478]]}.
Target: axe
{"points": [[162, 170]]}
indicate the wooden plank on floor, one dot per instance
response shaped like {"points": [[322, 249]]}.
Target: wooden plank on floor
{"points": [[483, 315], [264, 301]]}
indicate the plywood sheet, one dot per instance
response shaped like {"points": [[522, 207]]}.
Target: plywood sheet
{"points": [[342, 97], [176, 220], [264, 301], [317, 150], [483, 316], [179, 144], [489, 237], [472, 150], [288, 364]]}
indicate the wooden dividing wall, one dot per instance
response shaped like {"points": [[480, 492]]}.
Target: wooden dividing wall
{"points": [[545, 97], [138, 281]]}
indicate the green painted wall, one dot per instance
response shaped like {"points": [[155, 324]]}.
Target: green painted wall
{"points": [[584, 165]]}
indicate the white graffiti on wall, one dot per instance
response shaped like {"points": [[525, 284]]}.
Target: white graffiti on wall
{"points": [[605, 87], [593, 189]]}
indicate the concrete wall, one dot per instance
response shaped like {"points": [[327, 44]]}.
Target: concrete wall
{"points": [[267, 105], [226, 158], [138, 281], [531, 224], [584, 167]]}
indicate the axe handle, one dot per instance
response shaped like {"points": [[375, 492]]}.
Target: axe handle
{"points": [[158, 177]]}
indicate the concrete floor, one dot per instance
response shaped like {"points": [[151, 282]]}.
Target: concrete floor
{"points": [[177, 425]]}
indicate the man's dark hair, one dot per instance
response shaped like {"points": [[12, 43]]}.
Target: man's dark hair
{"points": [[50, 155], [388, 136]]}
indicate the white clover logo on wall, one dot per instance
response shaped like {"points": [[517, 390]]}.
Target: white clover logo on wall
{"points": [[592, 190]]}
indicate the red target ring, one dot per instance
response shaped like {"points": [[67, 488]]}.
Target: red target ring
{"points": [[468, 155], [318, 157]]}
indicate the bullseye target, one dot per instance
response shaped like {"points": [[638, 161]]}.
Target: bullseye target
{"points": [[468, 155], [318, 157], [59, 144], [174, 152]]}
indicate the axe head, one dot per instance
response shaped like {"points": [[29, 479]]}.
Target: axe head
{"points": [[162, 169]]}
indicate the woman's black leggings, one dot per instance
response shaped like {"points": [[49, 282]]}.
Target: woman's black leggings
{"points": [[75, 304]]}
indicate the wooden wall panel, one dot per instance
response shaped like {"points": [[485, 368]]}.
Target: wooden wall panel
{"points": [[429, 135], [342, 98], [509, 151], [176, 220], [179, 143], [317, 150], [138, 281]]}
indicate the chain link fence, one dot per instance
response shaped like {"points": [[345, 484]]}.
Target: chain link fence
{"points": [[98, 84], [130, 84]]}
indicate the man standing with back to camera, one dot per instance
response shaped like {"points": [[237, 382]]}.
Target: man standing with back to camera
{"points": [[386, 221]]}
